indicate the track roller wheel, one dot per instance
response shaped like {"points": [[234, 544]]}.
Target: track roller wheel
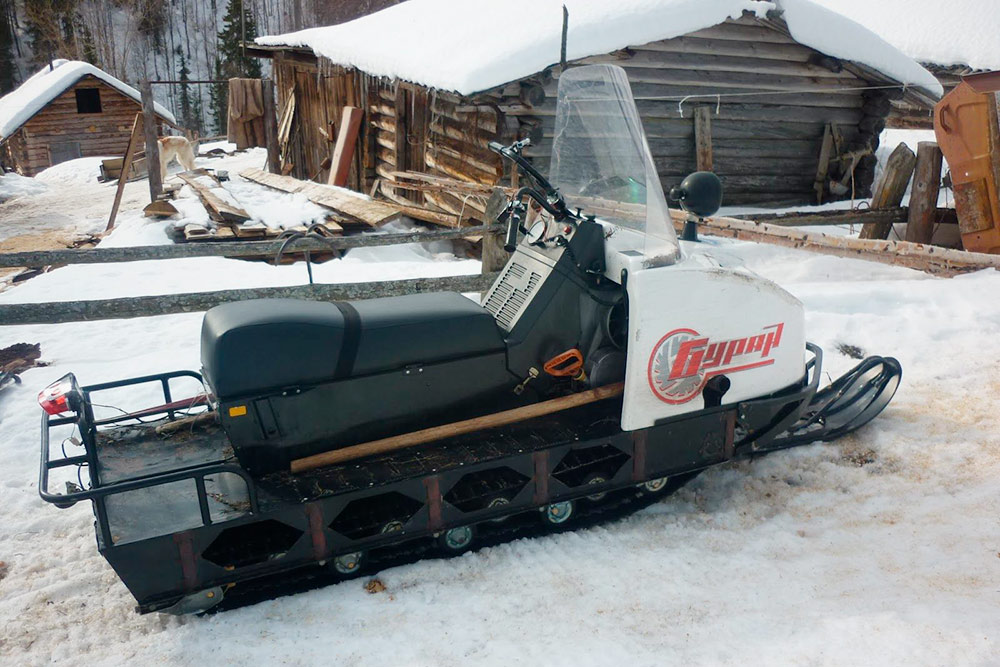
{"points": [[558, 513], [457, 540], [348, 563], [655, 486], [594, 479]]}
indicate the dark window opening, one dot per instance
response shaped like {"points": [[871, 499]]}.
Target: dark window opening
{"points": [[88, 100]]}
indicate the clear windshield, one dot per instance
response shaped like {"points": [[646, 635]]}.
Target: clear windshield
{"points": [[600, 160]]}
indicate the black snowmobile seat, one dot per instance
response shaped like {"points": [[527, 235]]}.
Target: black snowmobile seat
{"points": [[250, 347]]}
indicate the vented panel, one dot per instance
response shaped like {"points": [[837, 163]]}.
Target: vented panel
{"points": [[512, 293]]}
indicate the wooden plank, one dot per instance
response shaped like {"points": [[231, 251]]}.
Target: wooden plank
{"points": [[930, 259], [271, 128], [890, 190], [424, 436], [218, 209], [853, 217], [40, 258], [169, 304], [370, 212], [347, 141], [152, 145], [123, 172], [703, 138], [924, 193]]}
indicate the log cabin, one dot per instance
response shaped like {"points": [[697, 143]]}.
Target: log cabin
{"points": [[68, 110], [785, 100]]}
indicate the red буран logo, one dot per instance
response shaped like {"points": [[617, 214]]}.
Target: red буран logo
{"points": [[684, 360]]}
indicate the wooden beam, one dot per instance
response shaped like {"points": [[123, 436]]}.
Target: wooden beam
{"points": [[218, 209], [168, 304], [703, 138], [347, 141], [152, 145], [398, 442], [931, 259], [890, 190], [852, 217], [133, 141], [924, 193], [271, 128], [40, 258]]}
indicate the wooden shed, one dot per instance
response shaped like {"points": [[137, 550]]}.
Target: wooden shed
{"points": [[68, 110], [747, 94]]}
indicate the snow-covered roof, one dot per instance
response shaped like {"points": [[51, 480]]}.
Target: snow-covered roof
{"points": [[956, 32], [19, 105], [473, 45]]}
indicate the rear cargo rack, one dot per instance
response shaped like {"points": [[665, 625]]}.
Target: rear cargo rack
{"points": [[99, 491]]}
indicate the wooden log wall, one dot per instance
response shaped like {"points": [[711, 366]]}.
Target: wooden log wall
{"points": [[98, 134], [765, 147]]}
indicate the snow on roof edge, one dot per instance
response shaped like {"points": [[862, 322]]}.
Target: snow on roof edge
{"points": [[21, 104], [492, 57]]}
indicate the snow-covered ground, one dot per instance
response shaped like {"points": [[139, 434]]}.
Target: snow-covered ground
{"points": [[880, 549]]}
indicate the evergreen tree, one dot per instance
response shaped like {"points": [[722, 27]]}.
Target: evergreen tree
{"points": [[197, 117], [232, 60], [50, 26], [218, 101], [183, 75], [8, 69]]}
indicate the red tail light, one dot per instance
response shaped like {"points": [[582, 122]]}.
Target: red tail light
{"points": [[59, 396]]}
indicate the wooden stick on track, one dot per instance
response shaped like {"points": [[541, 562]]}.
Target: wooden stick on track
{"points": [[456, 428]]}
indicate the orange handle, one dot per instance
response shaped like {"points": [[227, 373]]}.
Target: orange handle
{"points": [[567, 364]]}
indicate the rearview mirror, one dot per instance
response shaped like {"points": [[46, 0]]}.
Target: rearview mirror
{"points": [[700, 193]]}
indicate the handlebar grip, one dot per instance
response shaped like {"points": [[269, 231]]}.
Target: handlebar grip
{"points": [[510, 243]]}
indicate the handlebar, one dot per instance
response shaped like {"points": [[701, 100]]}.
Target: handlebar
{"points": [[549, 198]]}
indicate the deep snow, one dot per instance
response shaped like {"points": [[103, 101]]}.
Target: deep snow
{"points": [[490, 43], [957, 32], [880, 549]]}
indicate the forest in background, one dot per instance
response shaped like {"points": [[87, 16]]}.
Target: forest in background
{"points": [[181, 40]]}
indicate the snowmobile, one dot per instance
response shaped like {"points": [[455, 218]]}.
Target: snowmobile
{"points": [[607, 364]]}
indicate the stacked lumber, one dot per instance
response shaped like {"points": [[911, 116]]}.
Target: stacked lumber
{"points": [[220, 204], [349, 208]]}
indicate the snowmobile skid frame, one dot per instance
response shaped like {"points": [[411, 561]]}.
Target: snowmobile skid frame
{"points": [[181, 522]]}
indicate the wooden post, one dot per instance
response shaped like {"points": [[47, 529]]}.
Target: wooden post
{"points": [[271, 128], [152, 145], [823, 168], [343, 151], [703, 138], [493, 255], [890, 189], [133, 141], [924, 194]]}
